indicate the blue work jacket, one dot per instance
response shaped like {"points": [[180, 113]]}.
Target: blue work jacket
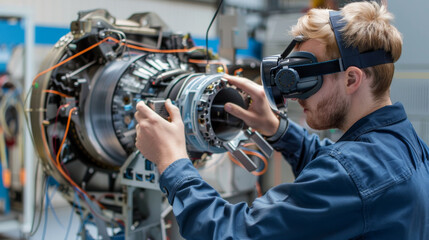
{"points": [[371, 184]]}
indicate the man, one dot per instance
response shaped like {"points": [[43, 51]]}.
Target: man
{"points": [[371, 184]]}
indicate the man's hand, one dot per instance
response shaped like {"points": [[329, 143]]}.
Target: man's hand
{"points": [[160, 141], [259, 116]]}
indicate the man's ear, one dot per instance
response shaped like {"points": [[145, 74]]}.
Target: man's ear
{"points": [[353, 78]]}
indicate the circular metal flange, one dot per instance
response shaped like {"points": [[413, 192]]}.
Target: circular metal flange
{"points": [[207, 125]]}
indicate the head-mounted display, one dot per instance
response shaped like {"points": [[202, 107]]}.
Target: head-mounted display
{"points": [[300, 75]]}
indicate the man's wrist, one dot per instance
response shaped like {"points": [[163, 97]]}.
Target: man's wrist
{"points": [[164, 164], [281, 130]]}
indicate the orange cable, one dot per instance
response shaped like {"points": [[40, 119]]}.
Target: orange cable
{"points": [[57, 93], [262, 158], [237, 70], [65, 135], [73, 57], [249, 144], [59, 167], [254, 154], [116, 41]]}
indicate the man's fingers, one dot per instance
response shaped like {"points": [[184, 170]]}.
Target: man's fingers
{"points": [[142, 108], [145, 112], [244, 84], [173, 111], [237, 111]]}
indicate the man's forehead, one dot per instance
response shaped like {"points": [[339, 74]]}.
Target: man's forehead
{"points": [[314, 46]]}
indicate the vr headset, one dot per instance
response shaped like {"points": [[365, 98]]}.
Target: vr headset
{"points": [[300, 75]]}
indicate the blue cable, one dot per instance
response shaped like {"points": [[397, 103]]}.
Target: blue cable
{"points": [[82, 225], [250, 150], [261, 166], [49, 205], [52, 208], [78, 204], [46, 211], [80, 211], [70, 222]]}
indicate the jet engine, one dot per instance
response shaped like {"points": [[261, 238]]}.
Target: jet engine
{"points": [[82, 115]]}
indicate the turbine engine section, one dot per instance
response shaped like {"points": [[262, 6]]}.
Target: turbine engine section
{"points": [[83, 101], [110, 107]]}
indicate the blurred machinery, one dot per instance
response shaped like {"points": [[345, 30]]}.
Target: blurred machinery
{"points": [[10, 143], [82, 118], [17, 200]]}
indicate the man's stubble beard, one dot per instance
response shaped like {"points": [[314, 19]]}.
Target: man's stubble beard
{"points": [[330, 113]]}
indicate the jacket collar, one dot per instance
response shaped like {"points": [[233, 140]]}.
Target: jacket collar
{"points": [[382, 117]]}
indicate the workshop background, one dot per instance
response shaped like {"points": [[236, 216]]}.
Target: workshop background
{"points": [[243, 33]]}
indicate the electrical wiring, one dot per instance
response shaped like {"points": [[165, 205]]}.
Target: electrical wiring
{"points": [[34, 228], [59, 166], [70, 222], [71, 58], [42, 197], [57, 163], [238, 71], [96, 213], [52, 207], [48, 205], [93, 210], [82, 225], [253, 153], [54, 156], [55, 124], [77, 199], [57, 93], [117, 42], [46, 211]]}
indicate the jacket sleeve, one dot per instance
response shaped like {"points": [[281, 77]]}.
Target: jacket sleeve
{"points": [[298, 147], [322, 203]]}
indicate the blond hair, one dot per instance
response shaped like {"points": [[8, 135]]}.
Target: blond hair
{"points": [[368, 28]]}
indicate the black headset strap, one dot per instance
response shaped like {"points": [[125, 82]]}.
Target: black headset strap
{"points": [[350, 56], [367, 59], [316, 69], [291, 46]]}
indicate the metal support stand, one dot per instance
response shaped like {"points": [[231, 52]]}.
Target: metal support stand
{"points": [[140, 179]]}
